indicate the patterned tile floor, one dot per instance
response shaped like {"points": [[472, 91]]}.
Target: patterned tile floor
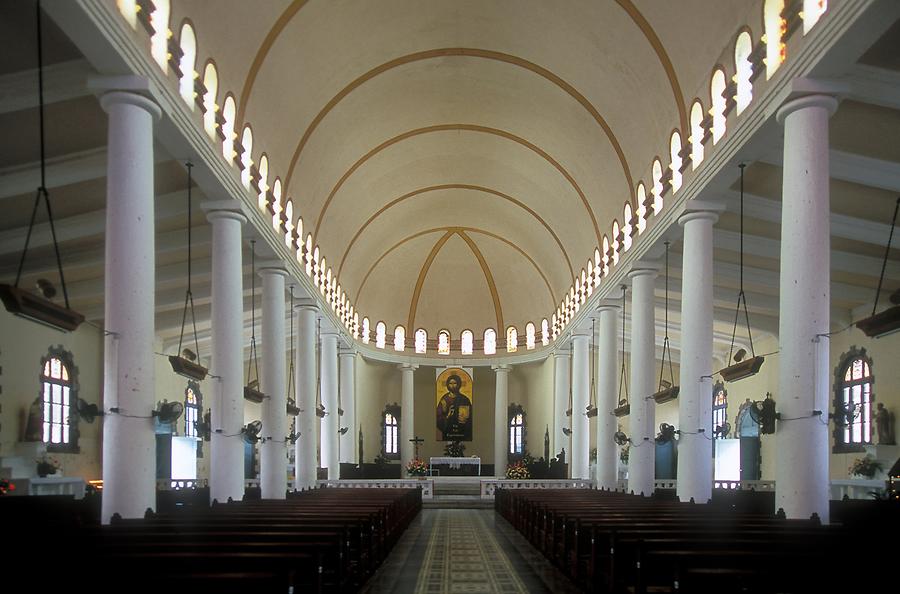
{"points": [[465, 551]]}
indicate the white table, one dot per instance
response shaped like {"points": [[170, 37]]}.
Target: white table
{"points": [[455, 461]]}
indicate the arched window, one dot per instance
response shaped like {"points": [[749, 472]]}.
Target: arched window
{"points": [[717, 111], [627, 227], [298, 234], [490, 342], [743, 67], [529, 336], [641, 194], [512, 340], [228, 115], [719, 408], [577, 302], [159, 41], [246, 156], [390, 431], [128, 9], [263, 182], [380, 335], [399, 339], [309, 260], [321, 277], [545, 332], [853, 401], [614, 242], [604, 258], [775, 27], [356, 326], [697, 133], [812, 11], [444, 342], [187, 64], [590, 277], [289, 223], [598, 268], [516, 430], [467, 342], [675, 161], [59, 394], [657, 188], [554, 323], [421, 341], [211, 84], [193, 404], [276, 204], [365, 331]]}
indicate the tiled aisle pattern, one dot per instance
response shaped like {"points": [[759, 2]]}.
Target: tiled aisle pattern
{"points": [[465, 551]]}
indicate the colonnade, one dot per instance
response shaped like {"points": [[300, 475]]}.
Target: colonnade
{"points": [[129, 382]]}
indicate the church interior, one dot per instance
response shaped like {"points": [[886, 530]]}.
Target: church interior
{"points": [[437, 296]]}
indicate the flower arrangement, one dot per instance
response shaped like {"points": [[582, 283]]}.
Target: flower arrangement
{"points": [[866, 467], [623, 455], [455, 449], [416, 467], [518, 471], [47, 465], [6, 487]]}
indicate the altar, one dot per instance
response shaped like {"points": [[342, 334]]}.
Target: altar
{"points": [[454, 462]]}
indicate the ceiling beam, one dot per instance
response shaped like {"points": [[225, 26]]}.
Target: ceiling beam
{"points": [[62, 82], [851, 167], [878, 86]]}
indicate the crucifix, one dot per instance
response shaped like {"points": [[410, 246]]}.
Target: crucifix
{"points": [[416, 441]]}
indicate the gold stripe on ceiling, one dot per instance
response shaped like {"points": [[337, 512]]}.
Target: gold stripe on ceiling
{"points": [[456, 127], [492, 286], [552, 299], [472, 187], [423, 273], [472, 53], [663, 56], [261, 54]]}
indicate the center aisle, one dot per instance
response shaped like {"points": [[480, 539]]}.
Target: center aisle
{"points": [[465, 550]]}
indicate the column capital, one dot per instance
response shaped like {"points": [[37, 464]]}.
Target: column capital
{"points": [[407, 367], [560, 354], [701, 210], [502, 368], [827, 102], [305, 305], [223, 209], [346, 352], [581, 333], [130, 89], [644, 269], [612, 305], [273, 268]]}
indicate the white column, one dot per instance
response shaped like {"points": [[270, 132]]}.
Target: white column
{"points": [[561, 360], [272, 453], [695, 470], [641, 430], [501, 425], [328, 428], [305, 380], [407, 415], [348, 403], [129, 445], [226, 467], [581, 384], [801, 471], [607, 396]]}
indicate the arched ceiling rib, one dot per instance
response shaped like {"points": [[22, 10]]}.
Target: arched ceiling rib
{"points": [[456, 127], [471, 187]]}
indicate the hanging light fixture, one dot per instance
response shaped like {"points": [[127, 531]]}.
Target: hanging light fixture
{"points": [[184, 363], [591, 408], [742, 367], [624, 407], [888, 321], [667, 389], [292, 408], [40, 308], [251, 390]]}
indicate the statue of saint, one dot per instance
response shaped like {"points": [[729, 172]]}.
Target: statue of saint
{"points": [[34, 423], [884, 425]]}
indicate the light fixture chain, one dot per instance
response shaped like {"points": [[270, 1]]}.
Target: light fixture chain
{"points": [[887, 251]]}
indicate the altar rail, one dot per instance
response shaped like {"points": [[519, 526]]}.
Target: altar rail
{"points": [[426, 484], [488, 486]]}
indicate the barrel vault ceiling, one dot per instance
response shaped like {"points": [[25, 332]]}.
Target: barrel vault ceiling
{"points": [[457, 162]]}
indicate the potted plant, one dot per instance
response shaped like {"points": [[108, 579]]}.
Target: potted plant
{"points": [[517, 471], [416, 467], [47, 465], [866, 467]]}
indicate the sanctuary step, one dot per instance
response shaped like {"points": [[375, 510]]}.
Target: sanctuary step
{"points": [[457, 493]]}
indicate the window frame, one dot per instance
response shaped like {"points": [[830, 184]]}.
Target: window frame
{"points": [[844, 364], [68, 412], [390, 430]]}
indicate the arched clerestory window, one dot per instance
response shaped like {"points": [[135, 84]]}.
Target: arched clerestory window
{"points": [[187, 65], [467, 342], [853, 401], [59, 397]]}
